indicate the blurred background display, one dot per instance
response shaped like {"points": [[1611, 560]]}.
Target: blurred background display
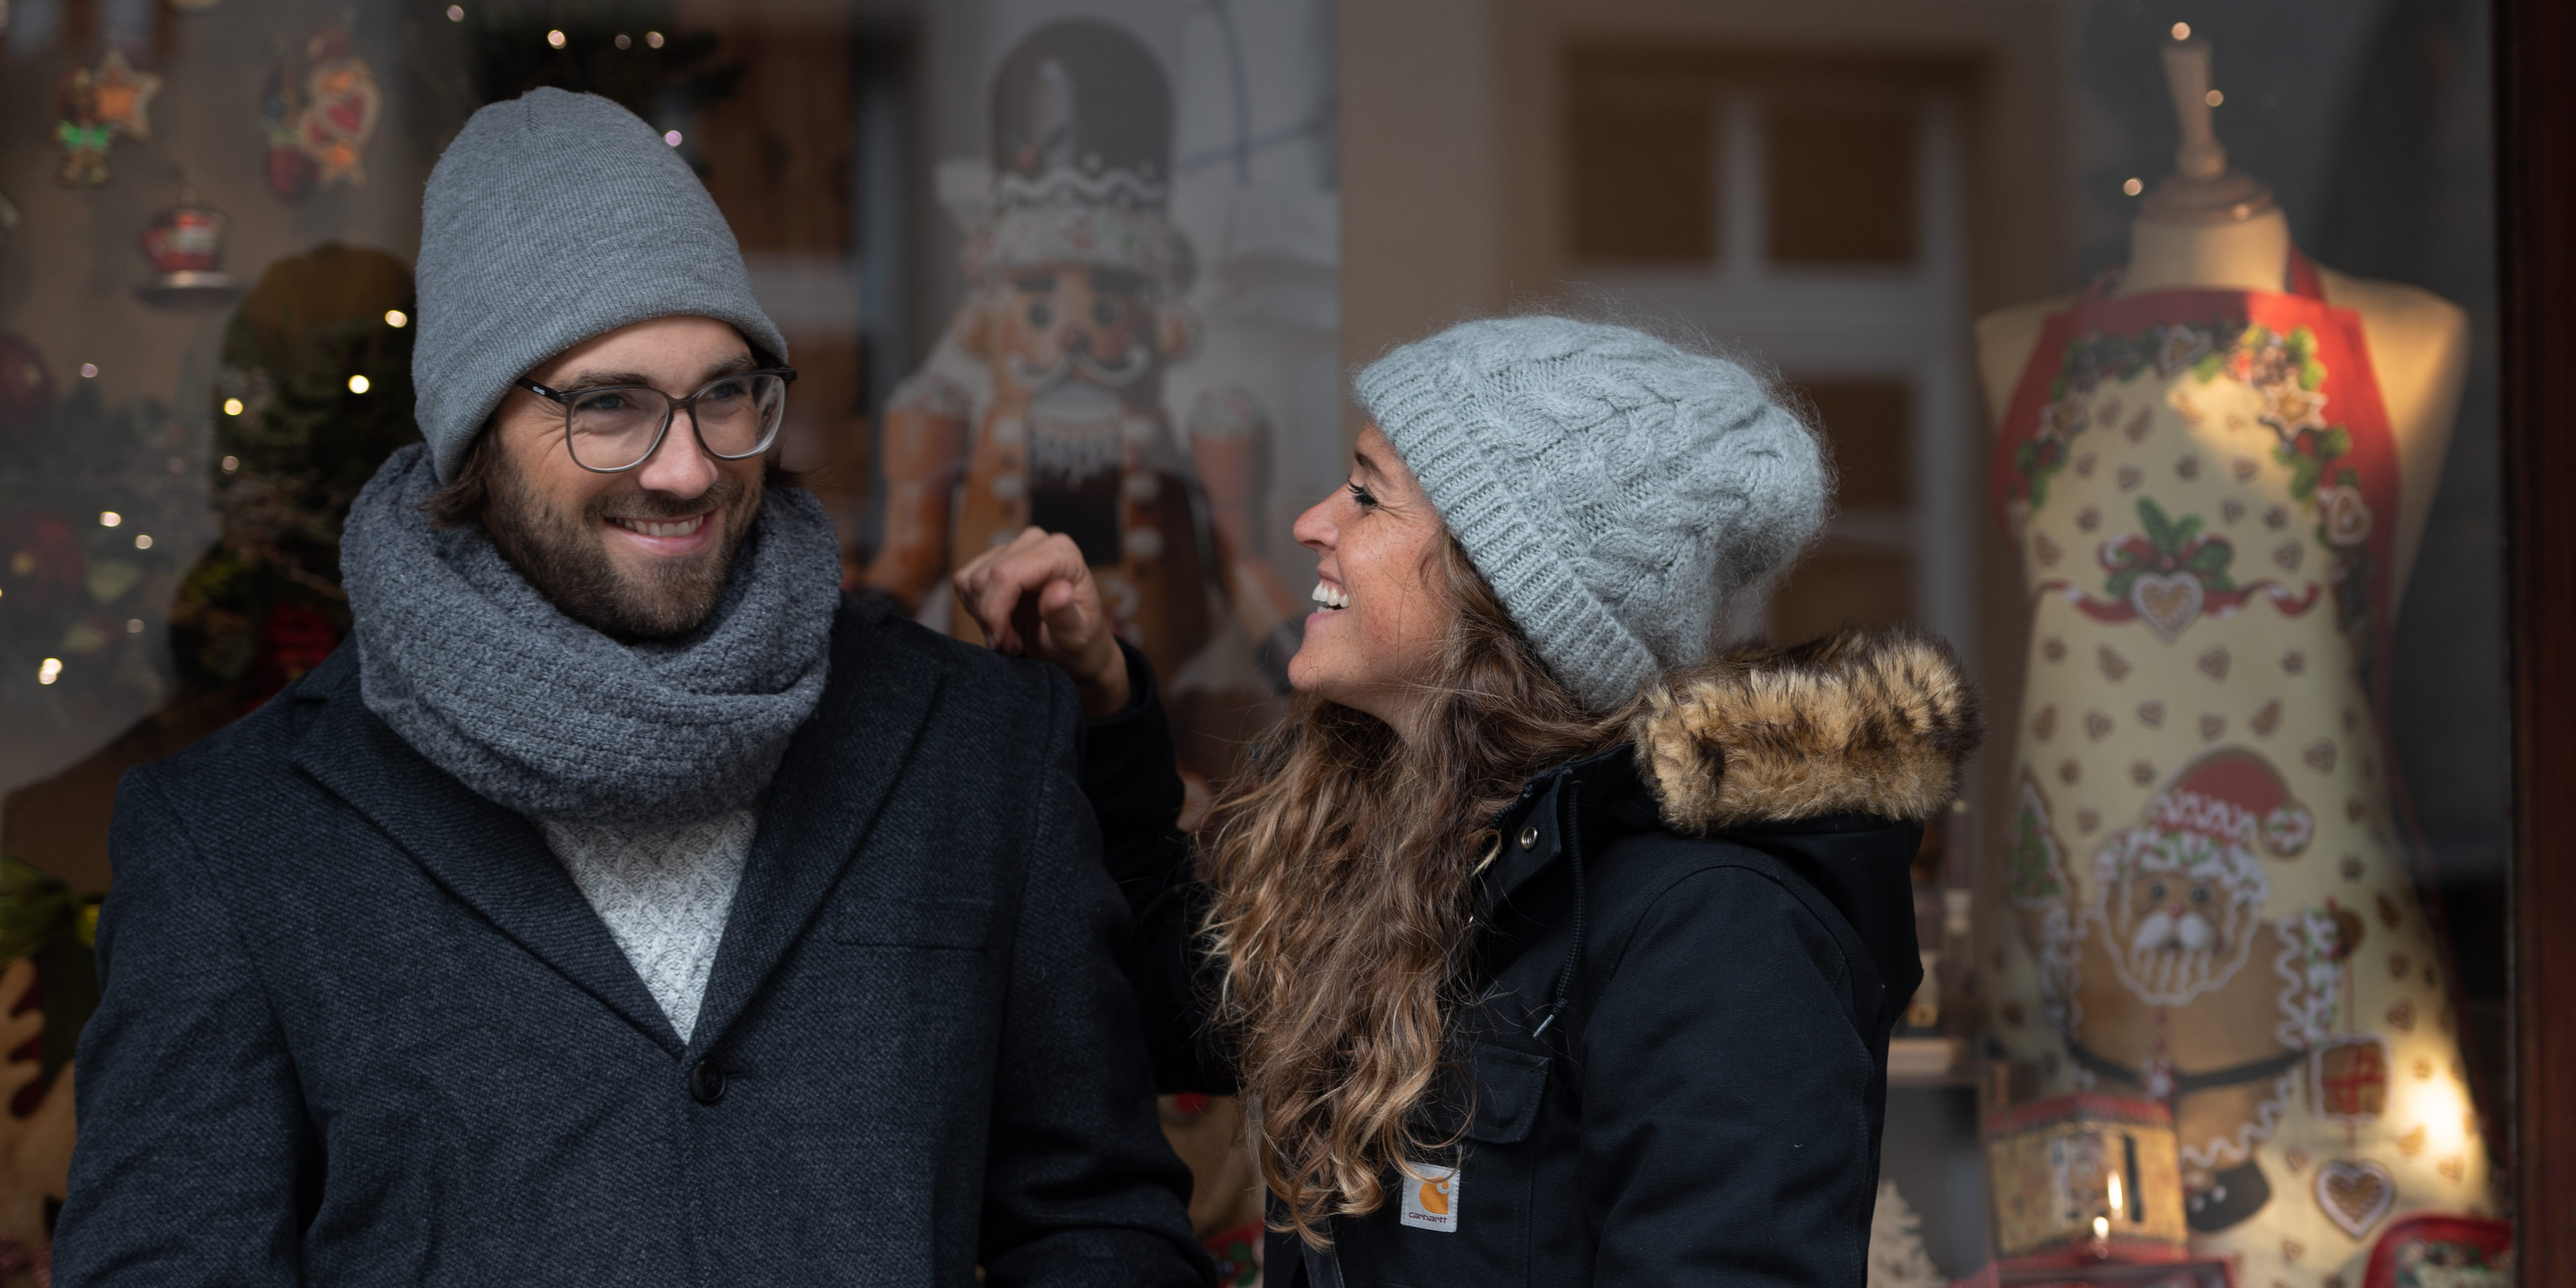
{"points": [[1103, 265]]}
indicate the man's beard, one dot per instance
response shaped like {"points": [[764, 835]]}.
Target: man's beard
{"points": [[566, 557]]}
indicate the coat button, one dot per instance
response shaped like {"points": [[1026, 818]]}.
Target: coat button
{"points": [[1529, 837], [706, 1082]]}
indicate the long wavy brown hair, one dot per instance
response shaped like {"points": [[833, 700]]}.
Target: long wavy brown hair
{"points": [[1343, 881]]}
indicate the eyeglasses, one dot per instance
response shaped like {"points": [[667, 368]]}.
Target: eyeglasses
{"points": [[619, 427]]}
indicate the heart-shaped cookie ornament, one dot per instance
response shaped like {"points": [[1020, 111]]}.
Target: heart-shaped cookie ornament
{"points": [[2356, 1194], [2167, 603]]}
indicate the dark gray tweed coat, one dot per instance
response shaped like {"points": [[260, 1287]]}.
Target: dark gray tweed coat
{"points": [[359, 1026]]}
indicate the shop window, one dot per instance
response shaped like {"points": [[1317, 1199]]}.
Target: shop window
{"points": [[1841, 184], [1641, 155], [1869, 424]]}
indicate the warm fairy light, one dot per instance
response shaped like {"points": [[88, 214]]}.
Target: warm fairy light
{"points": [[109, 518], [672, 138], [555, 38], [2115, 1191], [2182, 31], [143, 541], [2438, 1104], [50, 670], [134, 626], [456, 13], [2101, 1227], [2213, 98], [231, 463], [89, 371], [397, 319], [2134, 186], [232, 406], [653, 38], [357, 384], [624, 40]]}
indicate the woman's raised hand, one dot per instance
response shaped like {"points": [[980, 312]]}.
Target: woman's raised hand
{"points": [[1035, 598]]}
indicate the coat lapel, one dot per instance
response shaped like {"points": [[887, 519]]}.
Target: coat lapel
{"points": [[838, 771], [486, 855]]}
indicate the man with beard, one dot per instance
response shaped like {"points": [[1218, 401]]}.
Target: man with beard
{"points": [[623, 905]]}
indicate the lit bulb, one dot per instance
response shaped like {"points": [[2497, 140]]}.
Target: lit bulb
{"points": [[143, 541], [231, 463], [2115, 1193], [2133, 187], [2213, 98], [555, 38], [672, 138], [49, 670], [109, 518], [2182, 31], [653, 38], [89, 371], [232, 406], [2101, 1227], [624, 40], [456, 13], [357, 384], [397, 319]]}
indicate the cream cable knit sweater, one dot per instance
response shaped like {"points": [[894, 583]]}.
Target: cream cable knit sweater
{"points": [[664, 895]]}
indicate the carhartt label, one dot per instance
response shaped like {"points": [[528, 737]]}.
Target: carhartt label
{"points": [[1431, 1202]]}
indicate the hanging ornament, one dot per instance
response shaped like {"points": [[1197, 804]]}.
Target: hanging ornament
{"points": [[186, 244], [341, 105], [94, 107], [290, 172], [84, 137], [124, 95]]}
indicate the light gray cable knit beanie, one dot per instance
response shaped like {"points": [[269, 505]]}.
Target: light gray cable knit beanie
{"points": [[1615, 490], [552, 218]]}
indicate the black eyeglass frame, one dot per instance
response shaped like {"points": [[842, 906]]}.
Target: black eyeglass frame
{"points": [[670, 413]]}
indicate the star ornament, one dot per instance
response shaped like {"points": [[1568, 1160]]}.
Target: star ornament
{"points": [[124, 95]]}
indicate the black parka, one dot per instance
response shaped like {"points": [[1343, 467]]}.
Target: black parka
{"points": [[1689, 955]]}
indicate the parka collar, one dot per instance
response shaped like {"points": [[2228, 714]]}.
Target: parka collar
{"points": [[1862, 724]]}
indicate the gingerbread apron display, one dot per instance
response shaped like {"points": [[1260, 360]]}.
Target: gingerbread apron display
{"points": [[2213, 901]]}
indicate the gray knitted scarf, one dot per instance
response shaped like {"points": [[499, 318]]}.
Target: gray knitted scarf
{"points": [[537, 712]]}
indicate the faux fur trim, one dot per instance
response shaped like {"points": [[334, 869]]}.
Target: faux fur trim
{"points": [[1862, 722]]}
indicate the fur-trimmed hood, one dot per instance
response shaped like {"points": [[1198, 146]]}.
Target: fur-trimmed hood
{"points": [[1864, 722]]}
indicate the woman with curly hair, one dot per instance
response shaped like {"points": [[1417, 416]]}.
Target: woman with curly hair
{"points": [[1548, 942]]}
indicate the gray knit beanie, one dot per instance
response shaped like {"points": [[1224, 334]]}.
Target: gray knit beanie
{"points": [[1615, 490], [552, 218]]}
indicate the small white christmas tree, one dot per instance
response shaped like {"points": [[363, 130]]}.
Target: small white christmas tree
{"points": [[1896, 1255]]}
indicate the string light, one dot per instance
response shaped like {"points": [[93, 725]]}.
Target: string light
{"points": [[89, 371], [555, 38], [134, 626], [2133, 187], [232, 406], [653, 38], [49, 670], [231, 463], [672, 138], [397, 319], [2213, 98], [109, 518], [624, 40], [456, 13], [357, 384], [143, 541], [2182, 31]]}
